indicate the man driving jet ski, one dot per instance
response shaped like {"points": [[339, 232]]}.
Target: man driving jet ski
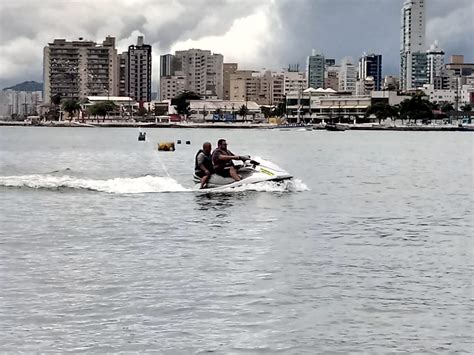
{"points": [[222, 161]]}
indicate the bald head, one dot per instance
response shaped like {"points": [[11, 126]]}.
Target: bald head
{"points": [[206, 147]]}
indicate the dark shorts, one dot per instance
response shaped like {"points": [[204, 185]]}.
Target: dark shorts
{"points": [[225, 172], [200, 173]]}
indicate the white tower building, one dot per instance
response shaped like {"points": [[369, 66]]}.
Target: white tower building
{"points": [[412, 45], [435, 57]]}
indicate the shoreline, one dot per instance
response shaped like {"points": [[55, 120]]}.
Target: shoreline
{"points": [[362, 127]]}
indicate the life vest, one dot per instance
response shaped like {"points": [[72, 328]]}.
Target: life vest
{"points": [[207, 162], [221, 164]]}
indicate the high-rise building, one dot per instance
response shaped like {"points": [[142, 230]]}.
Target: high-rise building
{"points": [[435, 59], [122, 74], [202, 70], [331, 80], [172, 81], [264, 88], [412, 45], [331, 74], [21, 103], [347, 76], [229, 68], [294, 80], [166, 65], [370, 66], [315, 69], [76, 69], [137, 61]]}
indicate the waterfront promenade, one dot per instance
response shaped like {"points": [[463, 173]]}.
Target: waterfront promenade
{"points": [[220, 125]]}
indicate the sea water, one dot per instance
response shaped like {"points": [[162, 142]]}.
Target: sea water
{"points": [[106, 246]]}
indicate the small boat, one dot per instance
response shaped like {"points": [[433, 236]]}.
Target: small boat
{"points": [[336, 127], [295, 127], [142, 136]]}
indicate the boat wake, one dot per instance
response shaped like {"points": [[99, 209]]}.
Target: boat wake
{"points": [[135, 185]]}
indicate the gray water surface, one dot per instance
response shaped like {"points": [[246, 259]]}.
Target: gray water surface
{"points": [[370, 250]]}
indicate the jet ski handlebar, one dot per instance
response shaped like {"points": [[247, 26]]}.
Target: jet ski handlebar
{"points": [[248, 160], [244, 158]]}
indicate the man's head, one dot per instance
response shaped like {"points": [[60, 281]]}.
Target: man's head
{"points": [[206, 147], [222, 144]]}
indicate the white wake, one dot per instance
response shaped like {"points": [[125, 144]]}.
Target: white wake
{"points": [[136, 185], [294, 185]]}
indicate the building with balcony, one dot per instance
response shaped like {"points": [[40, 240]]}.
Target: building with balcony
{"points": [[229, 68], [76, 69], [331, 80], [435, 65], [370, 65], [265, 87], [347, 76], [315, 68], [202, 70], [137, 67], [294, 80], [413, 59]]}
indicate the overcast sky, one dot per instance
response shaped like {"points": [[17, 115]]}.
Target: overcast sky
{"points": [[255, 33]]}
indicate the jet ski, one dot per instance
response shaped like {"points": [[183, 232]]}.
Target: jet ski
{"points": [[252, 171]]}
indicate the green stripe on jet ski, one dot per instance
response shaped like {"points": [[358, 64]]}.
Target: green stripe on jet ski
{"points": [[263, 170]]}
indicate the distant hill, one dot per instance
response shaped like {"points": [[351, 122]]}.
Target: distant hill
{"points": [[27, 86]]}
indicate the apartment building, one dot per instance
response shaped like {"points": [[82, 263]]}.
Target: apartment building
{"points": [[413, 59], [136, 71], [76, 69], [370, 66], [202, 70], [315, 69]]}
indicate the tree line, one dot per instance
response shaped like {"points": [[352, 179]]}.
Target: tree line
{"points": [[413, 109]]}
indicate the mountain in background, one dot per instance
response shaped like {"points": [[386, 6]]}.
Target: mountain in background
{"points": [[26, 86]]}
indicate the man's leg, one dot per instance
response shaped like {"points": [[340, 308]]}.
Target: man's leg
{"points": [[234, 174]]}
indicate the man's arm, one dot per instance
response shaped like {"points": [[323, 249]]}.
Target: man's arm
{"points": [[229, 157], [200, 160]]}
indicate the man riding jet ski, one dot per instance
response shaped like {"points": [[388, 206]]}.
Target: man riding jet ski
{"points": [[227, 174], [222, 161]]}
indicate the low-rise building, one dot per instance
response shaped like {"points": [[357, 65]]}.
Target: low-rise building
{"points": [[323, 104], [389, 97], [224, 110], [460, 97]]}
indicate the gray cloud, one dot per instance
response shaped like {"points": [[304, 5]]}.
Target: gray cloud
{"points": [[337, 28]]}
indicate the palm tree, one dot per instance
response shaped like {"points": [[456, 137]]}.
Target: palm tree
{"points": [[243, 111], [71, 107]]}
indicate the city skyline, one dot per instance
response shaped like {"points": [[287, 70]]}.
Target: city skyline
{"points": [[268, 34]]}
